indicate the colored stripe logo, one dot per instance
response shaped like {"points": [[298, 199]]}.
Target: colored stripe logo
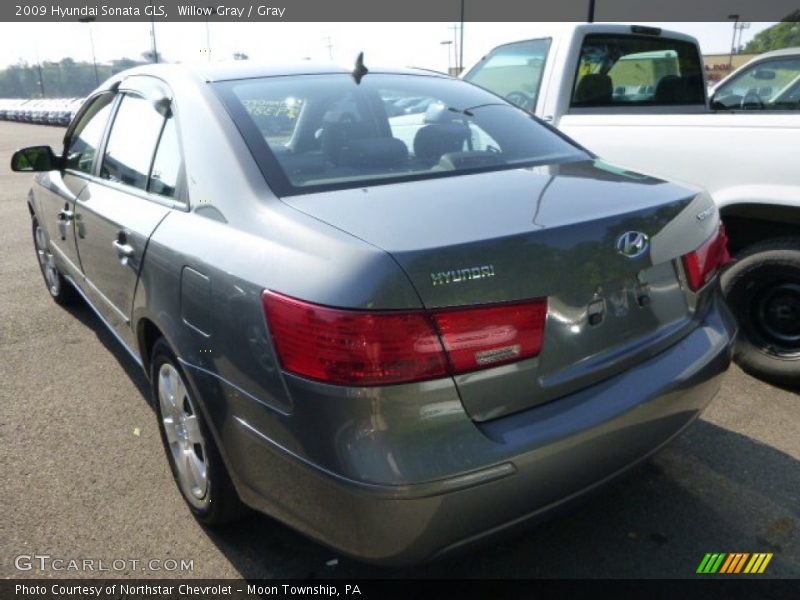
{"points": [[734, 563]]}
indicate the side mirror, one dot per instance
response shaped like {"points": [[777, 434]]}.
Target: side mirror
{"points": [[35, 158]]}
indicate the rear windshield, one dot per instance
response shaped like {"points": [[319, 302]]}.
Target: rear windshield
{"points": [[318, 132], [627, 70]]}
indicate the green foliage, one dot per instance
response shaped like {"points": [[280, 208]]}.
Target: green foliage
{"points": [[63, 79], [785, 34]]}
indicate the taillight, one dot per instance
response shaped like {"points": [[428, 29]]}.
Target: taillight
{"points": [[360, 347], [477, 338], [702, 264]]}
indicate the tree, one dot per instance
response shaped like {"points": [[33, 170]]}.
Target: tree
{"points": [[150, 56], [782, 35]]}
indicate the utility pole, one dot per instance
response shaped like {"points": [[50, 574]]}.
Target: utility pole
{"points": [[329, 46], [208, 38], [153, 35], [455, 47], [461, 42], [590, 18]]}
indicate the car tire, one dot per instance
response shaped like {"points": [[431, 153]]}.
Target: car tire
{"points": [[763, 290], [60, 289], [194, 459]]}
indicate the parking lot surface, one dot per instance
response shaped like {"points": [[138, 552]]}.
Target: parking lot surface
{"points": [[84, 476]]}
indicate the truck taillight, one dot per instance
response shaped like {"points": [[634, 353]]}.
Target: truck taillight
{"points": [[701, 265], [363, 348]]}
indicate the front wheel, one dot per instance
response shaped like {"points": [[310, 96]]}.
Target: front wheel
{"points": [[763, 290], [193, 456]]}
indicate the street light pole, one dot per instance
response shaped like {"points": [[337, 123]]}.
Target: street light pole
{"points": [[88, 21], [733, 40], [41, 76], [449, 44]]}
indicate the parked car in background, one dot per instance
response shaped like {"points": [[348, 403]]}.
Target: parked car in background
{"points": [[398, 334], [637, 96], [769, 82], [49, 111]]}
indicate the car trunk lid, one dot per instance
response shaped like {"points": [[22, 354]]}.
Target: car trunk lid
{"points": [[598, 242]]}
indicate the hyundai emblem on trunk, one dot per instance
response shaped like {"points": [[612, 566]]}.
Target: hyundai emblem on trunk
{"points": [[632, 244]]}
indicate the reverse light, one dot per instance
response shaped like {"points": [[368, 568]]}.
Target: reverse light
{"points": [[362, 347], [703, 264]]}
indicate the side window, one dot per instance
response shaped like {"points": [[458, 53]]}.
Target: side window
{"points": [[87, 135], [768, 85], [513, 71], [167, 163], [629, 70], [132, 142]]}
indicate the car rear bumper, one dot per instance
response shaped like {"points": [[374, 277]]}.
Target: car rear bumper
{"points": [[552, 454]]}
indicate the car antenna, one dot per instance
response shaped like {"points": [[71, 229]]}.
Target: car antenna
{"points": [[360, 70]]}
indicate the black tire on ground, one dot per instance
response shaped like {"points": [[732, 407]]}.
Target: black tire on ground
{"points": [[60, 289], [763, 290], [217, 503]]}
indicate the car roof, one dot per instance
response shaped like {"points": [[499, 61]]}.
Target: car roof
{"points": [[226, 71], [781, 52]]}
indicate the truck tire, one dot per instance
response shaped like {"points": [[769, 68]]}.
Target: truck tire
{"points": [[763, 290]]}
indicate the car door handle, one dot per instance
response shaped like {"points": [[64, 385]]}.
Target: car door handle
{"points": [[123, 250]]}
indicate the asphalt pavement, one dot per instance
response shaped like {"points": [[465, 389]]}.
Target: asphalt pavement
{"points": [[84, 476]]}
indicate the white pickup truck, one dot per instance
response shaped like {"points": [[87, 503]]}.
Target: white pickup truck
{"points": [[636, 96]]}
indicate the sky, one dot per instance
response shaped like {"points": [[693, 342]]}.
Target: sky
{"points": [[390, 44]]}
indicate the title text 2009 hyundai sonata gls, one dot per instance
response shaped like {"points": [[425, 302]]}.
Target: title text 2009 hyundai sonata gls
{"points": [[387, 308]]}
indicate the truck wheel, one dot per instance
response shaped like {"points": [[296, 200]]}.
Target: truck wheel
{"points": [[763, 290], [60, 289], [193, 456]]}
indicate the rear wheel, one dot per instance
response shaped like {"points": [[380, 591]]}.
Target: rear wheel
{"points": [[193, 456], [763, 289], [59, 288]]}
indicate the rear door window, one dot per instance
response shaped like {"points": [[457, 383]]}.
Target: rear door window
{"points": [[628, 70]]}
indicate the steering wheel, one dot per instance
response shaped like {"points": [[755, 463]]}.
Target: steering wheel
{"points": [[750, 101], [521, 99]]}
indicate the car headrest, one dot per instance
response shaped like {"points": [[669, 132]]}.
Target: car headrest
{"points": [[433, 141], [669, 89], [335, 136], [373, 153], [595, 88]]}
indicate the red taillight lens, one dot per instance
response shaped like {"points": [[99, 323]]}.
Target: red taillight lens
{"points": [[359, 348], [702, 264], [349, 347], [477, 338]]}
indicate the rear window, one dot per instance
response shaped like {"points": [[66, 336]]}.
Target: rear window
{"points": [[318, 132], [626, 70]]}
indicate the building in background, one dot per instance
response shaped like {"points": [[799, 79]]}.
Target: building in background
{"points": [[719, 66]]}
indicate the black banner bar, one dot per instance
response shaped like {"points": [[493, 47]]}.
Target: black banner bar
{"points": [[706, 587], [398, 11]]}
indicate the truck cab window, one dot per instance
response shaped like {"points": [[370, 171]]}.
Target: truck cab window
{"points": [[630, 70]]}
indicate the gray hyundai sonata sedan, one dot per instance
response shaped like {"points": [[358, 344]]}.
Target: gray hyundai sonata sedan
{"points": [[385, 307]]}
